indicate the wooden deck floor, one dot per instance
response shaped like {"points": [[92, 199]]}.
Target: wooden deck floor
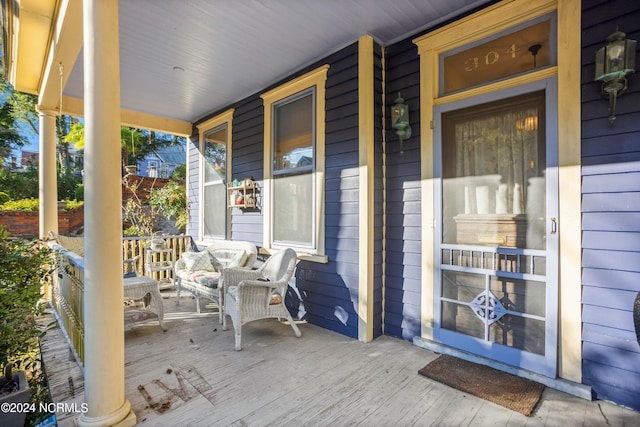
{"points": [[190, 375]]}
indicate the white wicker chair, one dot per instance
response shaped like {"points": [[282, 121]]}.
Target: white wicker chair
{"points": [[259, 294]]}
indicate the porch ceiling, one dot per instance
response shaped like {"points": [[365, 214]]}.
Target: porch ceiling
{"points": [[181, 60]]}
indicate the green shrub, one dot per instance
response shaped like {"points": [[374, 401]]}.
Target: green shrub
{"points": [[72, 204], [171, 201], [67, 185], [34, 205], [78, 194], [4, 197], [25, 267], [30, 204]]}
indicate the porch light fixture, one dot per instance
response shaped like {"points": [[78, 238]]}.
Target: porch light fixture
{"points": [[613, 62], [400, 120]]}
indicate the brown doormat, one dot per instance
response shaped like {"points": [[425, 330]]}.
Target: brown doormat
{"points": [[512, 392]]}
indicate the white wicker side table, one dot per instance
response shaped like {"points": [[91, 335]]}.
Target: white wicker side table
{"points": [[139, 287]]}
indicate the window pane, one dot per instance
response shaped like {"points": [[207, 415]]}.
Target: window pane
{"points": [[293, 137], [293, 209], [215, 155], [215, 209]]}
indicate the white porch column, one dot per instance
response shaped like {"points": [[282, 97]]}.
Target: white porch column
{"points": [[47, 182], [103, 287]]}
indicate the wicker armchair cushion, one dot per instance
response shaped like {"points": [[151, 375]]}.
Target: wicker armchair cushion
{"points": [[197, 261], [209, 279]]}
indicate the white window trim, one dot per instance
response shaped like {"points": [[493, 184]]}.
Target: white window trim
{"points": [[317, 78], [225, 118]]}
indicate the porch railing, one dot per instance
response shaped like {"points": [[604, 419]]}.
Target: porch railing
{"points": [[133, 248], [65, 294], [66, 289]]}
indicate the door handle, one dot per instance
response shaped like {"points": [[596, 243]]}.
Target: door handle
{"points": [[554, 225]]}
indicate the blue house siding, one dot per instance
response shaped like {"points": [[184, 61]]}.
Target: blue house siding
{"points": [[330, 291], [327, 294], [247, 152], [324, 294], [402, 297], [610, 215]]}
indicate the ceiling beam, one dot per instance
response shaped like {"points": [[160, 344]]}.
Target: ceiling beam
{"points": [[75, 107], [64, 49], [28, 34]]}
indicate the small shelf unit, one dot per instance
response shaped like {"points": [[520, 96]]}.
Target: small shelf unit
{"points": [[242, 194]]}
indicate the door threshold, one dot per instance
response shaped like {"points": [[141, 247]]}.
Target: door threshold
{"points": [[579, 390]]}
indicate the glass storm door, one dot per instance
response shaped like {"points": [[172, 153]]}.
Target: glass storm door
{"points": [[495, 160]]}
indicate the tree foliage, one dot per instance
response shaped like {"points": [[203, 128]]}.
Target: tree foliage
{"points": [[19, 185], [135, 143], [180, 172], [24, 185], [16, 109], [10, 138]]}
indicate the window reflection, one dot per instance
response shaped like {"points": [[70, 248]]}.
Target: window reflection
{"points": [[293, 163], [215, 155], [293, 141]]}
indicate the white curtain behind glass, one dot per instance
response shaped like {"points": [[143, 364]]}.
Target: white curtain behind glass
{"points": [[496, 169]]}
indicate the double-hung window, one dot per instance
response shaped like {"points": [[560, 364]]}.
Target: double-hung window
{"points": [[215, 136], [294, 165]]}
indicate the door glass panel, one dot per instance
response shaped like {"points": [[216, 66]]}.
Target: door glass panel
{"points": [[501, 310], [493, 163]]}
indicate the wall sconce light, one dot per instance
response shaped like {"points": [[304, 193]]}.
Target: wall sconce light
{"points": [[400, 120], [613, 62]]}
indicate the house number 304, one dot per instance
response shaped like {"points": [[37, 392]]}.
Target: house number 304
{"points": [[490, 58]]}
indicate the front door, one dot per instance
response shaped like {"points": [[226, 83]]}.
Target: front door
{"points": [[495, 163]]}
